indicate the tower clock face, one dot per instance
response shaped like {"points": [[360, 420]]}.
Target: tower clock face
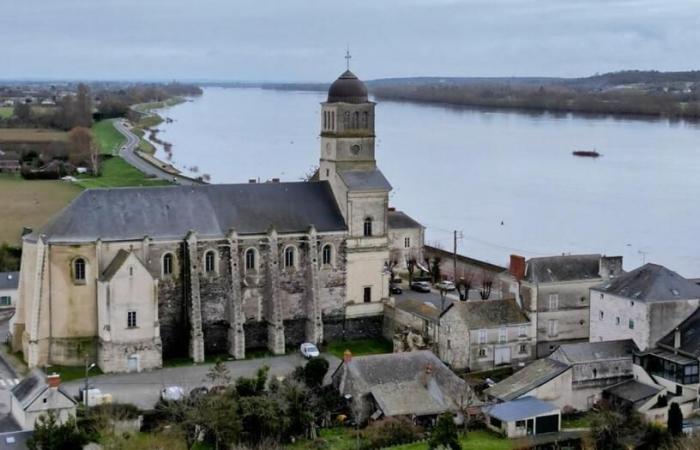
{"points": [[355, 149]]}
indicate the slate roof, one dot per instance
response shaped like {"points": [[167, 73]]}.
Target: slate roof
{"points": [[480, 314], [652, 283], [690, 335], [420, 308], [365, 180], [399, 383], [552, 269], [633, 391], [169, 212], [528, 378], [31, 387], [116, 263], [583, 352], [522, 408], [15, 440], [399, 219], [9, 280]]}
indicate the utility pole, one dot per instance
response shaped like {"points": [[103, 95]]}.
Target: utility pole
{"points": [[456, 235]]}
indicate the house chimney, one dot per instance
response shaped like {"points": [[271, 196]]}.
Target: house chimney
{"points": [[677, 338], [610, 266], [347, 356], [53, 380], [517, 266]]}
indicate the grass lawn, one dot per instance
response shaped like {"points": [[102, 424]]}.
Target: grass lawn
{"points": [[118, 173], [143, 107], [359, 347], [578, 421], [6, 112], [108, 138], [70, 373], [344, 439], [30, 203]]}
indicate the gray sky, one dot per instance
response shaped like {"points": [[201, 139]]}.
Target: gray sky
{"points": [[305, 39]]}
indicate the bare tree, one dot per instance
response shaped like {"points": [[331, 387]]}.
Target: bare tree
{"points": [[82, 149], [486, 285], [464, 285]]}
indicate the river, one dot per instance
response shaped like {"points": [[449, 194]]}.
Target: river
{"points": [[506, 180]]}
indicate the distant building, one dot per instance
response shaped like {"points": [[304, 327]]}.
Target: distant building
{"points": [[484, 334], [413, 384], [9, 162], [574, 376], [555, 294], [39, 394], [9, 282], [644, 305], [406, 238]]}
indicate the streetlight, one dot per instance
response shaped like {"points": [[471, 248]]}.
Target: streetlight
{"points": [[85, 392]]}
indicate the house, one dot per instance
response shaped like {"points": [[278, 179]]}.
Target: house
{"points": [[645, 305], [406, 238], [632, 394], [413, 384], [525, 416], [554, 291], [483, 334], [574, 376], [230, 266], [38, 394], [411, 324], [9, 282]]}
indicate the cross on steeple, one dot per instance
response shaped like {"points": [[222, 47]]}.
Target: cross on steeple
{"points": [[348, 56]]}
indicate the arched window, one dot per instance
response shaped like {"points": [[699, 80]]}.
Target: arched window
{"points": [[168, 264], [250, 259], [356, 120], [289, 257], [209, 261], [346, 120], [368, 227], [326, 254], [79, 269], [365, 120]]}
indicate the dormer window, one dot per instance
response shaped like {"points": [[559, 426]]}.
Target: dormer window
{"points": [[368, 227]]}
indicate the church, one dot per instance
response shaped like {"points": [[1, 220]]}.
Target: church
{"points": [[129, 276]]}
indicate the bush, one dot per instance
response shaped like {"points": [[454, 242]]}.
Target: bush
{"points": [[314, 372], [444, 434], [391, 431]]}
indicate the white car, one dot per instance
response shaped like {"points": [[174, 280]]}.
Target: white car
{"points": [[309, 350], [172, 393], [446, 285]]}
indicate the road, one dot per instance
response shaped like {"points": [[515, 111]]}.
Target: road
{"points": [[143, 389], [128, 152]]}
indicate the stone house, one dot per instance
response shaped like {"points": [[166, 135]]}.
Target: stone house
{"points": [[483, 334], [645, 305], [9, 281], [122, 275], [415, 384], [406, 238], [412, 324], [574, 376], [39, 394], [554, 292]]}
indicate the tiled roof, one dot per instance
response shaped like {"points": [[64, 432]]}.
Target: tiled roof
{"points": [[522, 408], [400, 220], [480, 314], [651, 282], [523, 381], [365, 180], [633, 391], [594, 351], [562, 268]]}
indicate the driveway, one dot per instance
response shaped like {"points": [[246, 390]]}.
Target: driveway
{"points": [[143, 389], [128, 152]]}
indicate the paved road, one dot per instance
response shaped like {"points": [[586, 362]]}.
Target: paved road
{"points": [[128, 152], [143, 389]]}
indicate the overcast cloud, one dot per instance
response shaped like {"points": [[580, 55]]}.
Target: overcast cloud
{"points": [[305, 40]]}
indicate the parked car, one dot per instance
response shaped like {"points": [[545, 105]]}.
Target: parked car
{"points": [[394, 289], [172, 393], [309, 350], [446, 285], [420, 286]]}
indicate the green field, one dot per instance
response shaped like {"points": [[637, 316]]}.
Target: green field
{"points": [[144, 107], [30, 203], [359, 347], [6, 112], [118, 173], [70, 373], [108, 138], [344, 439]]}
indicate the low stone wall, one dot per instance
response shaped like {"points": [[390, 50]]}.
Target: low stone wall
{"points": [[339, 328], [113, 357]]}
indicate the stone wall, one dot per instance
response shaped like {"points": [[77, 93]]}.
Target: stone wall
{"points": [[113, 357], [339, 328]]}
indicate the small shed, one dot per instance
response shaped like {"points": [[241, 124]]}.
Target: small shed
{"points": [[39, 394], [525, 416]]}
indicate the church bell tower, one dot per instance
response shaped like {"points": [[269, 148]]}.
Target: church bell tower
{"points": [[361, 191]]}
